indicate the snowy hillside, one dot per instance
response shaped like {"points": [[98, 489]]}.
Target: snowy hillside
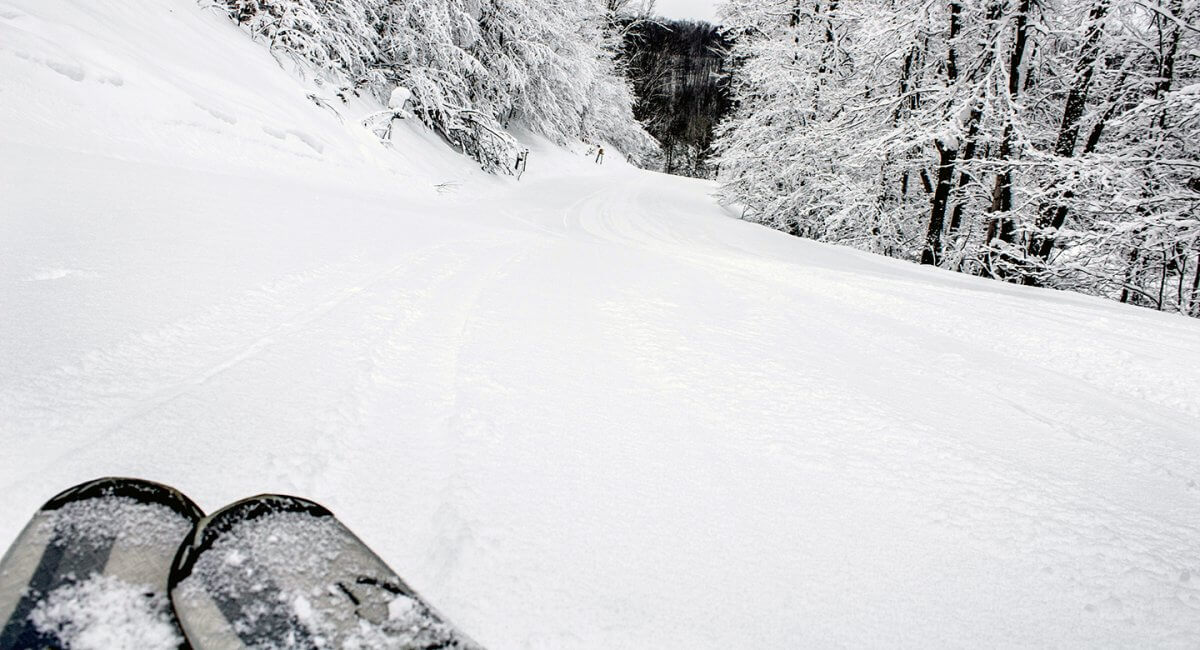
{"points": [[588, 409]]}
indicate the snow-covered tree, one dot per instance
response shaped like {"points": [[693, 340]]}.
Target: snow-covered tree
{"points": [[553, 68], [335, 35], [791, 66], [471, 65], [1048, 142], [540, 64]]}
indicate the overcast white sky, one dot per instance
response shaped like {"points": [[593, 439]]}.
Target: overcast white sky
{"points": [[696, 9]]}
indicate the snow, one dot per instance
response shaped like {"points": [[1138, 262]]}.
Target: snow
{"points": [[399, 97], [97, 522], [584, 410], [106, 613]]}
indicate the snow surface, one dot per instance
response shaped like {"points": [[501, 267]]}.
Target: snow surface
{"points": [[106, 613], [586, 410]]}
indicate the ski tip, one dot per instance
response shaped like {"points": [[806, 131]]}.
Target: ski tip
{"points": [[139, 490], [208, 529]]}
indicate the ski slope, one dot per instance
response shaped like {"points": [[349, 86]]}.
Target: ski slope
{"points": [[586, 410]]}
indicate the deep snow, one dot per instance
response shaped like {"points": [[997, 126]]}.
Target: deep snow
{"points": [[585, 410]]}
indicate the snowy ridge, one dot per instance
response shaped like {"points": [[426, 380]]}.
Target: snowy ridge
{"points": [[585, 410]]}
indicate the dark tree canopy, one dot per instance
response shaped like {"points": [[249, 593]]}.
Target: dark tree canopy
{"points": [[678, 71]]}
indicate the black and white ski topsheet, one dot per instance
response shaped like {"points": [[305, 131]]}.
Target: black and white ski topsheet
{"points": [[90, 569], [282, 572]]}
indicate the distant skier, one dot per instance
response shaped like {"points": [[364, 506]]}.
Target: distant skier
{"points": [[599, 155]]}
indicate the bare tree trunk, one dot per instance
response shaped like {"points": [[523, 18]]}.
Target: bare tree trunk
{"points": [[902, 92], [1093, 138], [1130, 275], [973, 120], [1181, 264], [829, 35], [1195, 310], [932, 253], [947, 154], [1167, 69], [1053, 216], [964, 177], [1002, 227], [1162, 281]]}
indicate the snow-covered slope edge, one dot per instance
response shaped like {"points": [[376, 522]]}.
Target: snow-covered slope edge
{"points": [[171, 83], [586, 410]]}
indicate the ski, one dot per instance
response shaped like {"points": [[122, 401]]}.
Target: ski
{"points": [[91, 568], [280, 572]]}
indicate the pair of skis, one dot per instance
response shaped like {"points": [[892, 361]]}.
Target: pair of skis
{"points": [[125, 563]]}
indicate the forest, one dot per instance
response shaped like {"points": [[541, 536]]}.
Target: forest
{"points": [[469, 68], [1050, 143], [678, 69]]}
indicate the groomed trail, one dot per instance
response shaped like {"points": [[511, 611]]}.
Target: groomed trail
{"points": [[586, 410]]}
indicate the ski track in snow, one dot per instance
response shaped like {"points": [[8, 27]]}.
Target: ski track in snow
{"points": [[651, 455], [585, 410]]}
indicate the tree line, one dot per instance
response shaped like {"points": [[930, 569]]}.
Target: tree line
{"points": [[1046, 142], [473, 66], [679, 73]]}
